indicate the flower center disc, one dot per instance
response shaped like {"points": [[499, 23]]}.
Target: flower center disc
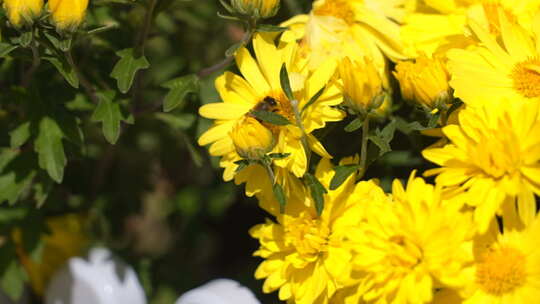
{"points": [[526, 78], [501, 271]]}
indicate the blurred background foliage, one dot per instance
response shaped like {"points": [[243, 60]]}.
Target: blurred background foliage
{"points": [[154, 197]]}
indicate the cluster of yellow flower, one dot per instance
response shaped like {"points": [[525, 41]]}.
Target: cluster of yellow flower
{"points": [[66, 14], [474, 236]]}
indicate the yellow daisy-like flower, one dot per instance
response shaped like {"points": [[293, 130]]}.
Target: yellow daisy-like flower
{"points": [[308, 257], [68, 14], [349, 28], [409, 247], [67, 239], [20, 12], [492, 160], [507, 270], [436, 26], [498, 71], [260, 89]]}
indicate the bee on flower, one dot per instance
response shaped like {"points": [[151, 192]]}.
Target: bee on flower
{"points": [[259, 89]]}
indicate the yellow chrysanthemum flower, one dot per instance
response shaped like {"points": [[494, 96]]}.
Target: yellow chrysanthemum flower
{"points": [[497, 71], [260, 89], [492, 160], [436, 26], [68, 14], [20, 12], [349, 28], [67, 239], [507, 270], [251, 139], [411, 246], [308, 257], [362, 86], [424, 82]]}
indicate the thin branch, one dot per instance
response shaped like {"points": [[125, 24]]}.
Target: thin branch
{"points": [[88, 87], [36, 61]]}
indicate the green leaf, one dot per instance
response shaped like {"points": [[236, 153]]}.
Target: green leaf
{"points": [[354, 125], [408, 127], [279, 155], [434, 120], [26, 38], [179, 89], [383, 138], [12, 275], [48, 145], [285, 82], [108, 112], [271, 28], [242, 164], [16, 174], [317, 192], [341, 174], [279, 194], [69, 74], [177, 122], [20, 135], [271, 117], [125, 69], [6, 48], [313, 99], [233, 48]]}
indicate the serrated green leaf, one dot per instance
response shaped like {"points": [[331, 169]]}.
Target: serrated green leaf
{"points": [[108, 112], [271, 28], [317, 192], [179, 89], [285, 82], [341, 174], [20, 135], [69, 74], [279, 194], [406, 127], [271, 117], [354, 125], [50, 149], [125, 69], [16, 174], [6, 48]]}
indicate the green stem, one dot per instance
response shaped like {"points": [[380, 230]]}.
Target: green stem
{"points": [[268, 166], [250, 30], [36, 62], [363, 151], [88, 87], [300, 124]]}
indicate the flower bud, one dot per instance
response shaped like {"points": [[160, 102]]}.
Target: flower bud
{"points": [[256, 8], [21, 12], [424, 82], [68, 14], [362, 85], [251, 139]]}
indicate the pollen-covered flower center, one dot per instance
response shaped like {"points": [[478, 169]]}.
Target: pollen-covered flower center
{"points": [[336, 8], [526, 78], [403, 252], [501, 271], [309, 236]]}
